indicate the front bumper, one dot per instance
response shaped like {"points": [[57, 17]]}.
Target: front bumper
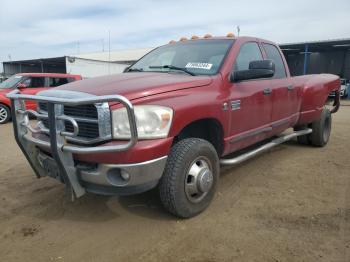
{"points": [[123, 179], [60, 163], [113, 179]]}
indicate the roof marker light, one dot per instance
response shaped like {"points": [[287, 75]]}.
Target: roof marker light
{"points": [[194, 37], [207, 36], [172, 42], [182, 39], [230, 34]]}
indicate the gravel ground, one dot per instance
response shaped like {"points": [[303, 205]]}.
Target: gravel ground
{"points": [[289, 204]]}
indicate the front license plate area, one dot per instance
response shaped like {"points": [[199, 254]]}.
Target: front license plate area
{"points": [[50, 166]]}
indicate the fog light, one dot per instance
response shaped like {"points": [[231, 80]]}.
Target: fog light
{"points": [[125, 175]]}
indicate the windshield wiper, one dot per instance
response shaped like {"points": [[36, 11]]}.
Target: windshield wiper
{"points": [[134, 70], [175, 68]]}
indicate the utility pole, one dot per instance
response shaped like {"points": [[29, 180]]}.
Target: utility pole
{"points": [[109, 52]]}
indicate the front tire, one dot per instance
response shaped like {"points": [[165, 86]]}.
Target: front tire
{"points": [[190, 178], [5, 114]]}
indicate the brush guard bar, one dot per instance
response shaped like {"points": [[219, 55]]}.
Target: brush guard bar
{"points": [[62, 152]]}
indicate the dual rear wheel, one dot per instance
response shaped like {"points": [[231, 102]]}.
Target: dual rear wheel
{"points": [[321, 130]]}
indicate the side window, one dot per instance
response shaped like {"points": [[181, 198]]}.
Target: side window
{"points": [[273, 54], [27, 82], [35, 82], [57, 81], [248, 52]]}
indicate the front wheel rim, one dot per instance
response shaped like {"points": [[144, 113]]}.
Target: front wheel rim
{"points": [[199, 179], [3, 114]]}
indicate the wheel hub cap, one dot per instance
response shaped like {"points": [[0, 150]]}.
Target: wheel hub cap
{"points": [[205, 181], [199, 180]]}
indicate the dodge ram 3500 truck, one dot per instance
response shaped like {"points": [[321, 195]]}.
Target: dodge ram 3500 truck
{"points": [[171, 119]]}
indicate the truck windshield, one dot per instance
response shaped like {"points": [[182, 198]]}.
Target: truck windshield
{"points": [[11, 82], [195, 57]]}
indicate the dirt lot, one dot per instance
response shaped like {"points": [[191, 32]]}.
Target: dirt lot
{"points": [[290, 204]]}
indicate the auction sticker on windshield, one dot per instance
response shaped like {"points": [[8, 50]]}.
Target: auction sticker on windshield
{"points": [[205, 66]]}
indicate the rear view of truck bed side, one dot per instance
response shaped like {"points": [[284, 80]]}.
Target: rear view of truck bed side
{"points": [[315, 91]]}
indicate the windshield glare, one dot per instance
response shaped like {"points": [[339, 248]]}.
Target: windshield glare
{"points": [[11, 82], [200, 57]]}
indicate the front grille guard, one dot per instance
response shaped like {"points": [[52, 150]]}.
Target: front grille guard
{"points": [[62, 152]]}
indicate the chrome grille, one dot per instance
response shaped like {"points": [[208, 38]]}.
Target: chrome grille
{"points": [[87, 118], [85, 111]]}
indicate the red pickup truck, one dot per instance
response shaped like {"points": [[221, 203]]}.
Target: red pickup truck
{"points": [[29, 83], [172, 118]]}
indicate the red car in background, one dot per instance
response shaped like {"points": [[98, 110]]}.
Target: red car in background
{"points": [[30, 84]]}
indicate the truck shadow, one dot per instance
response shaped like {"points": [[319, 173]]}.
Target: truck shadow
{"points": [[94, 208], [146, 204]]}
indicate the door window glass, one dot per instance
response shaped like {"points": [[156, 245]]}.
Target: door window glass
{"points": [[57, 81], [273, 54], [35, 82], [248, 52]]}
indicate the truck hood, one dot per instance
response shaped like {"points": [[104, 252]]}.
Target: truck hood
{"points": [[136, 85]]}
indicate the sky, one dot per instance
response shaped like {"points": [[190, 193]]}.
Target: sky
{"points": [[50, 28]]}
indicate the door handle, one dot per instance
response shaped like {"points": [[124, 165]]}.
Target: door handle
{"points": [[267, 91], [290, 87]]}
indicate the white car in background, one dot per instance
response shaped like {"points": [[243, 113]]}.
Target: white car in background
{"points": [[344, 88]]}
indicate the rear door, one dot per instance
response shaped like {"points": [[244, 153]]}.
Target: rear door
{"points": [[34, 84], [284, 93], [251, 103]]}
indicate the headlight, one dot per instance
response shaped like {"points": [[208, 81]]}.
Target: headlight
{"points": [[151, 121]]}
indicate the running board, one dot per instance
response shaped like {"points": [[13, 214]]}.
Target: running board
{"points": [[263, 148]]}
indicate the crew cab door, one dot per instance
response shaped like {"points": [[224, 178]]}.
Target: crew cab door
{"points": [[284, 93], [250, 102], [33, 85]]}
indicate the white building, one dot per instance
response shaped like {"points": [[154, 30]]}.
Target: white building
{"points": [[88, 65]]}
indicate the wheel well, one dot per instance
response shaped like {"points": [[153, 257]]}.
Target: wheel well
{"points": [[5, 105], [208, 129]]}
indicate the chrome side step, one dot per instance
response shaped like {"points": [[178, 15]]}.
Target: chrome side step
{"points": [[263, 148]]}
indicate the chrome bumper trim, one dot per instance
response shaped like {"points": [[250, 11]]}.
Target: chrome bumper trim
{"points": [[140, 173]]}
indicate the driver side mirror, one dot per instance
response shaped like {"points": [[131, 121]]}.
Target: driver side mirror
{"points": [[257, 69], [21, 85]]}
